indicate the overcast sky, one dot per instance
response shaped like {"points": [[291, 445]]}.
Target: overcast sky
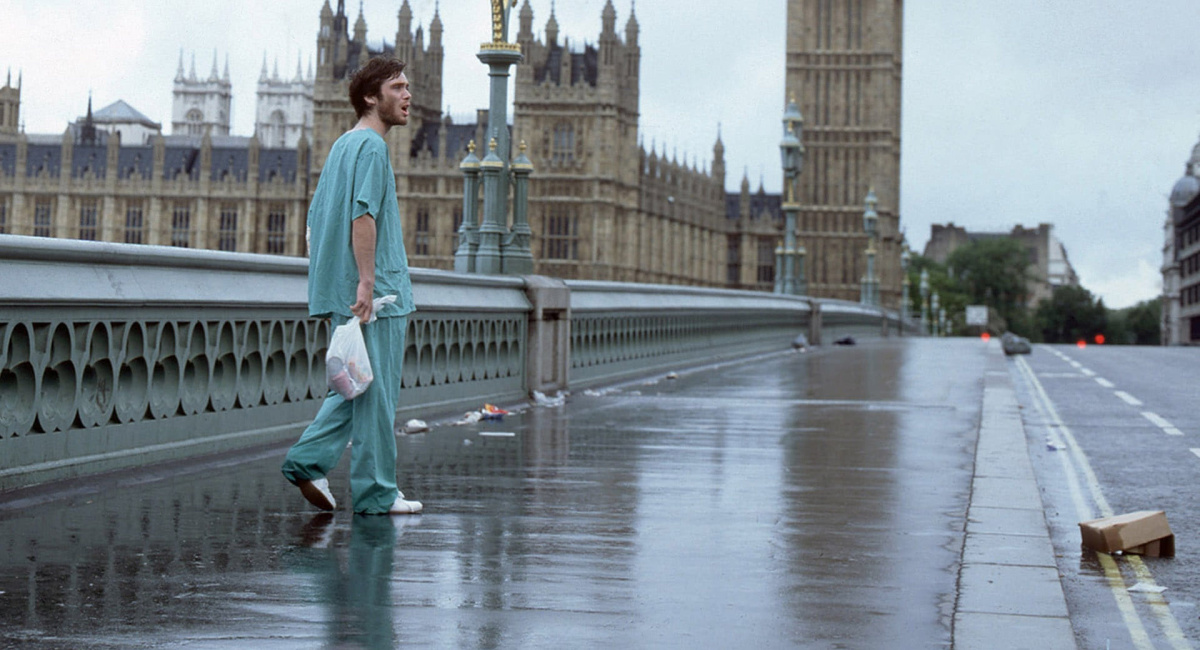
{"points": [[1080, 113]]}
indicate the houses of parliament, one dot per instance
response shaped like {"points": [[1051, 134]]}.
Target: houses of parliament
{"points": [[601, 206]]}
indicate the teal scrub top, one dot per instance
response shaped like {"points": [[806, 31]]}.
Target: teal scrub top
{"points": [[357, 180]]}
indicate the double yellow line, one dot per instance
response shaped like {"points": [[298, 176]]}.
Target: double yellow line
{"points": [[1080, 475]]}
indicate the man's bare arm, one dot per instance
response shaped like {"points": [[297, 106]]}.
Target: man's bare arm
{"points": [[362, 239]]}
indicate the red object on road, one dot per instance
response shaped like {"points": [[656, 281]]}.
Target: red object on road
{"points": [[1099, 339], [986, 337]]}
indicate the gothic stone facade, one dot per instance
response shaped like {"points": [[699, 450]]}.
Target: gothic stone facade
{"points": [[844, 69], [601, 205]]}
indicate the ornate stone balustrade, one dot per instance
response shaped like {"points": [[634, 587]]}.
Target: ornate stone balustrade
{"points": [[114, 355]]}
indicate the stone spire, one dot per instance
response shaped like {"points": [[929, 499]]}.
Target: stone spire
{"points": [[263, 75], [360, 27], [192, 73], [214, 76], [526, 21], [718, 163], [552, 27], [631, 26], [225, 77], [435, 27], [609, 17], [178, 73]]}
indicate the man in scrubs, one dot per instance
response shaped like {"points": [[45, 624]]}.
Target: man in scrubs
{"points": [[356, 255]]}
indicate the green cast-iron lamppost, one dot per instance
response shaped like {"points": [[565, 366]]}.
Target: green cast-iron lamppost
{"points": [[924, 288], [490, 247], [904, 260], [791, 153], [934, 315], [870, 283]]}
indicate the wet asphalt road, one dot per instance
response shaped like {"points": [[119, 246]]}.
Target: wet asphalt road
{"points": [[800, 500], [1100, 395]]}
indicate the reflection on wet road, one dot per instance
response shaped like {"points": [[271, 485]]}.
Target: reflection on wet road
{"points": [[799, 500]]}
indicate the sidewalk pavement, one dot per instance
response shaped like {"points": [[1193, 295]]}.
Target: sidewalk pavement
{"points": [[1009, 587]]}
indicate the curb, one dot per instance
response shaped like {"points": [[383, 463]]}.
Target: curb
{"points": [[1009, 586]]}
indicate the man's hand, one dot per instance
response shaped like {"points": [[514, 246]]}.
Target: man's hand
{"points": [[362, 302]]}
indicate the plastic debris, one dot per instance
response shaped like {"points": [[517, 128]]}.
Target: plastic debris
{"points": [[498, 434], [415, 426], [541, 399], [845, 340], [1147, 588], [470, 417], [672, 375], [800, 342], [492, 412], [1054, 446]]}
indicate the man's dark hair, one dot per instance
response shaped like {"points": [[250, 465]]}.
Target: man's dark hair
{"points": [[369, 80]]}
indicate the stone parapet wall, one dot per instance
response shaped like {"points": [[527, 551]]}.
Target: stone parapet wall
{"points": [[115, 355]]}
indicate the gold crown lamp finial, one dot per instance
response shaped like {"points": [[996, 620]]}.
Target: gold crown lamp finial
{"points": [[471, 146], [492, 144]]}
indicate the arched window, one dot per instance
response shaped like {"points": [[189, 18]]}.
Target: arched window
{"points": [[195, 122], [562, 149]]}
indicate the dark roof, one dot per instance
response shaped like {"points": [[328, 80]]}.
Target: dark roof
{"points": [[120, 112], [585, 66], [277, 163], [457, 137], [230, 162], [135, 161], [88, 158], [47, 157], [760, 202]]}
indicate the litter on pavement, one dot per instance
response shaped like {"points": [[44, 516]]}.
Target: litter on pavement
{"points": [[1144, 532], [541, 399], [415, 426], [1146, 588]]}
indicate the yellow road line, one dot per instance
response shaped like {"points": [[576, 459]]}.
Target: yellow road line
{"points": [[1112, 572]]}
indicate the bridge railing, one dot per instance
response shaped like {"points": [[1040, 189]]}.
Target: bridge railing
{"points": [[115, 355]]}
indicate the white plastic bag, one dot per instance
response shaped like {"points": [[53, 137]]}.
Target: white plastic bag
{"points": [[347, 366]]}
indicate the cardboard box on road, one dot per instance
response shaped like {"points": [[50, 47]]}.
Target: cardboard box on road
{"points": [[1145, 532]]}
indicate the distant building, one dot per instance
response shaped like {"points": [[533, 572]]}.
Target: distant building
{"points": [[284, 111], [201, 106], [602, 205], [1049, 266], [125, 121], [1181, 259]]}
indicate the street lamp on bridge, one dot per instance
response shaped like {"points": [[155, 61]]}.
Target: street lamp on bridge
{"points": [[870, 283], [924, 288], [791, 153]]}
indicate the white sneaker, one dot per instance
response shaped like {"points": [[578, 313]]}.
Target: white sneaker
{"points": [[317, 492], [402, 507]]}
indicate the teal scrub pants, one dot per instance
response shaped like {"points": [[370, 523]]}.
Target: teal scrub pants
{"points": [[368, 422]]}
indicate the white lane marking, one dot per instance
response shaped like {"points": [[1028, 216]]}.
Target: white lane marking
{"points": [[1105, 383], [1089, 373], [1162, 423], [1196, 450], [1158, 605], [1076, 364], [1129, 399]]}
